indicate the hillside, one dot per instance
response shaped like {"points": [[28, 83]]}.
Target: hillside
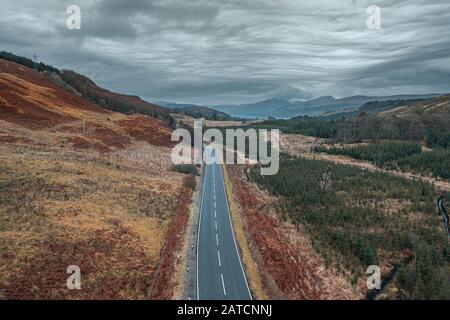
{"points": [[372, 107], [363, 218], [83, 186], [421, 121], [114, 101], [204, 112], [195, 111], [282, 109], [83, 86], [28, 99], [438, 106], [259, 109], [322, 105]]}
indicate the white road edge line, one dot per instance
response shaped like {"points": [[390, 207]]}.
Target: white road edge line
{"points": [[223, 285], [232, 232], [198, 229]]}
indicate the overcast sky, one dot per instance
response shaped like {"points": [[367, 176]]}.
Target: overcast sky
{"points": [[238, 51]]}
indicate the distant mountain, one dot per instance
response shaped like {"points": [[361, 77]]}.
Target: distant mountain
{"points": [[380, 106], [204, 112], [284, 109], [372, 107], [322, 105], [174, 105], [438, 107], [196, 111], [260, 109]]}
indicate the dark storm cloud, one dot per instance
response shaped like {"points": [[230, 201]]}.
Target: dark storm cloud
{"points": [[124, 8], [232, 51]]}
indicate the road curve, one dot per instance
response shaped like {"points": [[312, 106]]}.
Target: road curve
{"points": [[444, 214], [219, 269]]}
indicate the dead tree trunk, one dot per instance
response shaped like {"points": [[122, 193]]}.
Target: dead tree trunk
{"points": [[326, 179]]}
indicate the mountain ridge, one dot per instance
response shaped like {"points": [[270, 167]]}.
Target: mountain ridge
{"points": [[197, 111], [284, 109]]}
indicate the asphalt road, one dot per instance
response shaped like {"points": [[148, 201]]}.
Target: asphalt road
{"points": [[444, 215], [219, 269]]}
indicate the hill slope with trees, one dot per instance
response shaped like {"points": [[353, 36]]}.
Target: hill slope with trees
{"points": [[82, 85], [83, 185]]}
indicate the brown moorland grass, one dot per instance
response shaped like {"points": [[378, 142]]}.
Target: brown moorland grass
{"points": [[79, 185], [65, 208], [164, 283]]}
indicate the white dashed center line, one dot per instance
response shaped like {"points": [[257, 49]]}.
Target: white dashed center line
{"points": [[218, 257], [223, 285], [217, 239]]}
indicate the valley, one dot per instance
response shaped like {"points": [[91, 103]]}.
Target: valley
{"points": [[87, 180], [225, 158], [379, 206]]}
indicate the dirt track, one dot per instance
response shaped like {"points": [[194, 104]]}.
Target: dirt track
{"points": [[299, 145]]}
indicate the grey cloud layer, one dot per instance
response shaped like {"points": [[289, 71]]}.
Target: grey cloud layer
{"points": [[233, 51]]}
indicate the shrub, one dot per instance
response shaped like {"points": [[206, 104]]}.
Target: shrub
{"points": [[190, 182], [424, 278], [402, 155], [378, 153], [3, 168], [437, 139], [436, 162], [186, 169]]}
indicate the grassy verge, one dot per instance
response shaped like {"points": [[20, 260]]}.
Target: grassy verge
{"points": [[165, 279]]}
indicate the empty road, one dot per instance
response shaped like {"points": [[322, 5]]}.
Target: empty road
{"points": [[219, 269], [444, 214]]}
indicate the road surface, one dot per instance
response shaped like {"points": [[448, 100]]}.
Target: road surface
{"points": [[444, 214], [219, 269]]}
